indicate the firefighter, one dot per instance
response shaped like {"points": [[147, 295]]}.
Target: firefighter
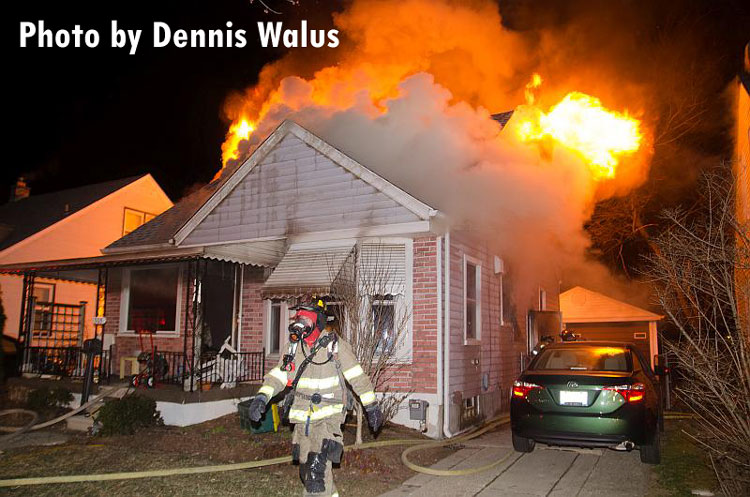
{"points": [[317, 367]]}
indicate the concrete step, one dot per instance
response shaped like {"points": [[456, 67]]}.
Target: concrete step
{"points": [[80, 422]]}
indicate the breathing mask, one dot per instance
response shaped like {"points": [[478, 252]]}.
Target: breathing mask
{"points": [[301, 328]]}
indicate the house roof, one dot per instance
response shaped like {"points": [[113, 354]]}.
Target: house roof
{"points": [[503, 117], [581, 305], [161, 229], [22, 218], [175, 224]]}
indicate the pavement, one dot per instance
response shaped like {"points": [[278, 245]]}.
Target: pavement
{"points": [[547, 471]]}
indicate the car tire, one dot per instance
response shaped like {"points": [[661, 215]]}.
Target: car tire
{"points": [[651, 454], [523, 444]]}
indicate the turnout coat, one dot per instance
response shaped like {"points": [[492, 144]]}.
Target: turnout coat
{"points": [[325, 376]]}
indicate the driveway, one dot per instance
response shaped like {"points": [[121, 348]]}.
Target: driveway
{"points": [[548, 471]]}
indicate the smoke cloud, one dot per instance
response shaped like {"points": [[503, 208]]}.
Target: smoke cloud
{"points": [[410, 93]]}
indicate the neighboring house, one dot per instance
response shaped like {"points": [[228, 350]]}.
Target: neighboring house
{"points": [[64, 225], [742, 150], [597, 317], [228, 262]]}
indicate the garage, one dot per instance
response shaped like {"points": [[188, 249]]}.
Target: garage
{"points": [[595, 316]]}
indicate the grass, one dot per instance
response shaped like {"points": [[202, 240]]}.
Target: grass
{"points": [[365, 473], [684, 464]]}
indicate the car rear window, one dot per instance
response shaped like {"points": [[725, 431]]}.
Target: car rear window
{"points": [[584, 358]]}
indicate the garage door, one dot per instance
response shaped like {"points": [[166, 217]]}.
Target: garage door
{"points": [[634, 332]]}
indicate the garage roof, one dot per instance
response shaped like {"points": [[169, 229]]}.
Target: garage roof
{"points": [[581, 305]]}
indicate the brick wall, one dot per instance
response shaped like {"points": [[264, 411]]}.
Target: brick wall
{"points": [[253, 307], [425, 324]]}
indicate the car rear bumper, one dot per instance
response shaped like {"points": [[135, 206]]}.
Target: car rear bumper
{"points": [[628, 423]]}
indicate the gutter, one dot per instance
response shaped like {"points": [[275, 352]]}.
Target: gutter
{"points": [[447, 337], [439, 390]]}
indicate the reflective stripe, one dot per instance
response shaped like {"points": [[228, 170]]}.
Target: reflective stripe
{"points": [[352, 373], [335, 494], [318, 383], [319, 413], [278, 374], [367, 397], [266, 390]]}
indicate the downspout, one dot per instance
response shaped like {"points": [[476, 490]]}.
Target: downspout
{"points": [[438, 336], [447, 338]]}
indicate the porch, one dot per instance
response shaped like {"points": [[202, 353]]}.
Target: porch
{"points": [[172, 319]]}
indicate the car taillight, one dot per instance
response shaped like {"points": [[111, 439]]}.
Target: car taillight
{"points": [[631, 393], [521, 388]]}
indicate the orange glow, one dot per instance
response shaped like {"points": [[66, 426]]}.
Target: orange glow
{"points": [[238, 131], [582, 124], [610, 351]]}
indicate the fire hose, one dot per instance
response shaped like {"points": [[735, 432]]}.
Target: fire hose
{"points": [[16, 432], [418, 445]]}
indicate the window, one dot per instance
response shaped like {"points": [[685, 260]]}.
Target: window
{"points": [[44, 292], [542, 299], [383, 317], [276, 326], [335, 312], [472, 299], [134, 218], [610, 358], [152, 298], [44, 298]]}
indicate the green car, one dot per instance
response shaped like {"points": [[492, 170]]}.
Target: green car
{"points": [[588, 394]]}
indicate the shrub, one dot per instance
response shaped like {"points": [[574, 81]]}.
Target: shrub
{"points": [[125, 416], [47, 400]]}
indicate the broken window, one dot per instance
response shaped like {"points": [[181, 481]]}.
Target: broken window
{"points": [[152, 299]]}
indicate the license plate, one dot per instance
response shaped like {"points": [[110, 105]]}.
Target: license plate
{"points": [[568, 398]]}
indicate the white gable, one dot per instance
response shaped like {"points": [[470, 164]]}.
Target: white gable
{"points": [[295, 184], [580, 305]]}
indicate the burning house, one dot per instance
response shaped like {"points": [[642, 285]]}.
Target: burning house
{"points": [[385, 159], [222, 268]]}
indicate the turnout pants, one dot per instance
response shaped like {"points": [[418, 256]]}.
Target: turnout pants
{"points": [[316, 446]]}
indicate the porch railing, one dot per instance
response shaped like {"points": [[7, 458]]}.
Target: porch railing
{"points": [[227, 368], [69, 362]]}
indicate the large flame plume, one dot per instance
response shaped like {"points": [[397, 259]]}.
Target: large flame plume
{"points": [[410, 94], [581, 123]]}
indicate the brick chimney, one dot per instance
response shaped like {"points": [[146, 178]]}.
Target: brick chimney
{"points": [[19, 190]]}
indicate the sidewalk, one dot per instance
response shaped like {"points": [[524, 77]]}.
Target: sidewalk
{"points": [[547, 471]]}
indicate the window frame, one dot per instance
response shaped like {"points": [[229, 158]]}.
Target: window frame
{"points": [[283, 322], [145, 217], [542, 299], [125, 301], [477, 338], [388, 300], [404, 352]]}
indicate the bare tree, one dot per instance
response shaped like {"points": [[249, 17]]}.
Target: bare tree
{"points": [[701, 272], [371, 313]]}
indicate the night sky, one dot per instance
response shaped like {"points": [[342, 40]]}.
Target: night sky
{"points": [[79, 115]]}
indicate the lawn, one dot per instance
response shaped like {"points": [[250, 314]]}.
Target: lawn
{"points": [[684, 464], [363, 473]]}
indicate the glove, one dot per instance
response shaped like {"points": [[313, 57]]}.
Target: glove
{"points": [[374, 416], [258, 407]]}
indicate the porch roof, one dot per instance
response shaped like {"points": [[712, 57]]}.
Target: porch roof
{"points": [[308, 269], [263, 253]]}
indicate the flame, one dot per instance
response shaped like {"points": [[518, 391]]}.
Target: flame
{"points": [[238, 131], [582, 124]]}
